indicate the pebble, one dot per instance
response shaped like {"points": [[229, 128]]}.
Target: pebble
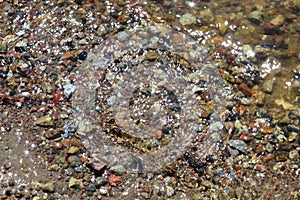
{"points": [[245, 89], [278, 20], [281, 138], [206, 15], [267, 86], [74, 161], [284, 104], [152, 55], [114, 180], [3, 47], [118, 169], [73, 150], [237, 145], [269, 147], [170, 191], [258, 96], [68, 90], [222, 24], [255, 17], [294, 155], [48, 187], [292, 137], [75, 183], [103, 190], [187, 19], [45, 121]]}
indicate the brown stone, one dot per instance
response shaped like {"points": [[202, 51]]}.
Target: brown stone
{"points": [[243, 87], [267, 158]]}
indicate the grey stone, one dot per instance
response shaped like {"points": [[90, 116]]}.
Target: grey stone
{"points": [[238, 145], [118, 169]]}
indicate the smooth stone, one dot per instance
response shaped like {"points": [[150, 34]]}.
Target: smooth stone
{"points": [[268, 86], [118, 169], [206, 15], [278, 20], [187, 19], [73, 150], [45, 121]]}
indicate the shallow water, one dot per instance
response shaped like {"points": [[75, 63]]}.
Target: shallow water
{"points": [[216, 80]]}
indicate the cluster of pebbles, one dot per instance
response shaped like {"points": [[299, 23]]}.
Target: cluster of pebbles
{"points": [[200, 99]]}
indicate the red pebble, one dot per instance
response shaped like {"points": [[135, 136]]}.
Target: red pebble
{"points": [[114, 180]]}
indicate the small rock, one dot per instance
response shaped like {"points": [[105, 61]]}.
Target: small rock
{"points": [[103, 191], [206, 15], [118, 169], [278, 20], [284, 104], [73, 150], [67, 56], [114, 180], [74, 161], [45, 121], [152, 55], [3, 47], [258, 96], [90, 187], [292, 137], [170, 191], [238, 145], [294, 155], [48, 187], [111, 100], [245, 89], [187, 19], [269, 147], [268, 86], [75, 183], [255, 17], [248, 51], [222, 24], [68, 90]]}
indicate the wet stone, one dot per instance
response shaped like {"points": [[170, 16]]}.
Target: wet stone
{"points": [[3, 47], [152, 55], [75, 183], [206, 15], [278, 20], [268, 86], [294, 155], [45, 121], [73, 150], [239, 145], [118, 169], [48, 187], [74, 161], [187, 19]]}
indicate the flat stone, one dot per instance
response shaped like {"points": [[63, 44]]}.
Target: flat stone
{"points": [[278, 20], [238, 145], [187, 19], [45, 121], [206, 15], [118, 169]]}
